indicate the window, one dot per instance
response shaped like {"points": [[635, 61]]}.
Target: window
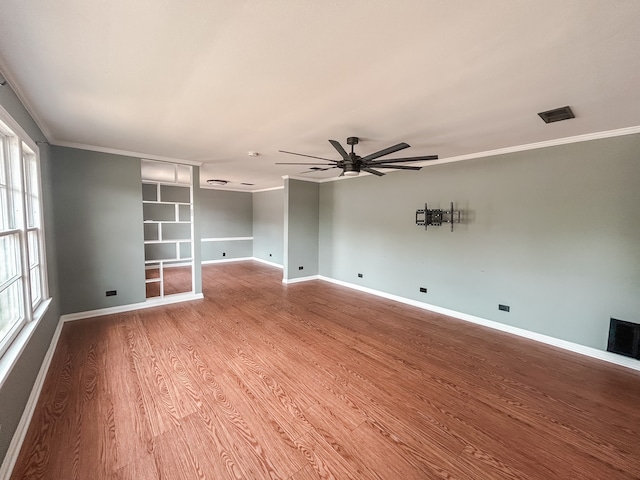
{"points": [[23, 286]]}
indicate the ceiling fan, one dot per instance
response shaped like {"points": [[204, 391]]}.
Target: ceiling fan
{"points": [[352, 164]]}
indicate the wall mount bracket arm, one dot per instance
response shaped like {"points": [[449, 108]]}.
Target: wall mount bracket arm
{"points": [[436, 217]]}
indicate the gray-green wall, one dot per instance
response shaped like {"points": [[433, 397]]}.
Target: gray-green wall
{"points": [[554, 233], [301, 215], [18, 385], [268, 225], [97, 199], [225, 214]]}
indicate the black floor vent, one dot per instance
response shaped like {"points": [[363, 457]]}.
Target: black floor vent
{"points": [[624, 338]]}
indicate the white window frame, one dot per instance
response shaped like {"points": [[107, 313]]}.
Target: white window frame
{"points": [[15, 142]]}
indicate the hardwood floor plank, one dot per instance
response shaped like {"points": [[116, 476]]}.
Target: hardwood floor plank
{"points": [[324, 459], [315, 381], [133, 436], [158, 404], [275, 449], [140, 468], [268, 393]]}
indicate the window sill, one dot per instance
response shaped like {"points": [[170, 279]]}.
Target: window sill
{"points": [[12, 354]]}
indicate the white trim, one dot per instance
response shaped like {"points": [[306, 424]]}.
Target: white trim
{"points": [[169, 265], [267, 189], [152, 302], [304, 179], [226, 189], [158, 182], [126, 153], [16, 347], [225, 239], [514, 149], [159, 242], [538, 337], [18, 131], [23, 99], [25, 420], [289, 281], [168, 203], [226, 260], [344, 177], [266, 262], [547, 143]]}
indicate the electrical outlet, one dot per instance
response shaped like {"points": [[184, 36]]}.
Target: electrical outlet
{"points": [[504, 308], [300, 268], [111, 293], [224, 254], [423, 290], [359, 275]]}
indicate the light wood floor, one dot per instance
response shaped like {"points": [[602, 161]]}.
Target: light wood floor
{"points": [[311, 380]]}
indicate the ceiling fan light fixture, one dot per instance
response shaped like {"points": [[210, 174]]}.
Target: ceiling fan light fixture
{"points": [[351, 173]]}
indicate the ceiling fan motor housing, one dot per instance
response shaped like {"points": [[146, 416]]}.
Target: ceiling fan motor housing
{"points": [[351, 169]]}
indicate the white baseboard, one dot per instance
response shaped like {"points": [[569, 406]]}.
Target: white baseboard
{"points": [[226, 260], [266, 262], [155, 302], [288, 281], [25, 420], [538, 337], [241, 259]]}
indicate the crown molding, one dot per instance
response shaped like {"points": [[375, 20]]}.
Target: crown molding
{"points": [[268, 189], [519, 148], [126, 153], [225, 189], [14, 85], [544, 144]]}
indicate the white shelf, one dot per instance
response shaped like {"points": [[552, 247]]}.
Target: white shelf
{"points": [[170, 184], [153, 242], [167, 209], [165, 203], [167, 221], [149, 262]]}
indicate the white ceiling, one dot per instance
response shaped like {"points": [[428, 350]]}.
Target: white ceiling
{"points": [[211, 80]]}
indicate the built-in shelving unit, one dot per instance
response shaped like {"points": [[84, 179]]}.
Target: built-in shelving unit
{"points": [[167, 205]]}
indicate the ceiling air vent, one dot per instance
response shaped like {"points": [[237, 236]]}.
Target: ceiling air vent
{"points": [[557, 114], [217, 182]]}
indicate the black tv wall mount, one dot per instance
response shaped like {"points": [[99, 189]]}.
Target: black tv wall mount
{"points": [[436, 217]]}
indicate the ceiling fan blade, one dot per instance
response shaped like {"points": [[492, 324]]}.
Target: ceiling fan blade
{"points": [[371, 170], [296, 163], [387, 151], [399, 167], [318, 170], [408, 159], [303, 155], [343, 153]]}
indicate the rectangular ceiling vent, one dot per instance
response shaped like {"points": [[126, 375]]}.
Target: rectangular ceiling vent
{"points": [[557, 114]]}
